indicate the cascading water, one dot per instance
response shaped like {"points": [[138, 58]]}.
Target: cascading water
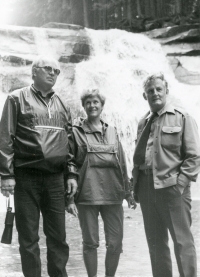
{"points": [[119, 63]]}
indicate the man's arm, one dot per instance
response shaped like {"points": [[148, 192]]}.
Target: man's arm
{"points": [[71, 171], [191, 152], [8, 126]]}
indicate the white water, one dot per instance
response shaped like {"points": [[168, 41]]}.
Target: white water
{"points": [[119, 64]]}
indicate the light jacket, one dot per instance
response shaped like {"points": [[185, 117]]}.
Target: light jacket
{"points": [[35, 134], [101, 165], [176, 149]]}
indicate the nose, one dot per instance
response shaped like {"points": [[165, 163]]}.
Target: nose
{"points": [[52, 72], [155, 91]]}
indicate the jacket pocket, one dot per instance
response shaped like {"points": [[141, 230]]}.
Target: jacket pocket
{"points": [[171, 137], [102, 160]]}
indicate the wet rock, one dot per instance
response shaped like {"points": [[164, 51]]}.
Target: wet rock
{"points": [[171, 31], [10, 82], [177, 41], [184, 75], [16, 60], [189, 36], [62, 26], [21, 45]]}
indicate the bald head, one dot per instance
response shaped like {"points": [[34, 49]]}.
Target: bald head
{"points": [[43, 60], [45, 71]]}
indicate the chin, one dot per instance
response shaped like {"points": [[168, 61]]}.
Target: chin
{"points": [[157, 107]]}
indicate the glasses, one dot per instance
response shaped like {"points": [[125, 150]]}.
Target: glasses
{"points": [[49, 69]]}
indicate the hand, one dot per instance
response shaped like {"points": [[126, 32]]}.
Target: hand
{"points": [[180, 188], [131, 201], [72, 209], [71, 187], [7, 186]]}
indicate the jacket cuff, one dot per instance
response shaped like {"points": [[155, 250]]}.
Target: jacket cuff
{"points": [[7, 177], [183, 180], [72, 176]]}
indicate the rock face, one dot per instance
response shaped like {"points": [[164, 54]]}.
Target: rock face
{"points": [[70, 44], [181, 44], [20, 45]]}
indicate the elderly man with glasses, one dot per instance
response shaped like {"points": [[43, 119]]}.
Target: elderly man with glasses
{"points": [[35, 130], [166, 161]]}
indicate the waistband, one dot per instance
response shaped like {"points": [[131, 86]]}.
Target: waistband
{"points": [[146, 171]]}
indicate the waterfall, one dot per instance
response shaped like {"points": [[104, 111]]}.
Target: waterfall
{"points": [[119, 63]]}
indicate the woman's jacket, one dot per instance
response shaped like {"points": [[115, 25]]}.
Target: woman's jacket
{"points": [[101, 165]]}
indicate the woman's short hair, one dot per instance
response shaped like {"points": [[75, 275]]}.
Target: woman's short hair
{"points": [[91, 93], [153, 77]]}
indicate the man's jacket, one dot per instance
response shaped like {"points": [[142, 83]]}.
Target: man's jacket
{"points": [[176, 149], [34, 134], [101, 165]]}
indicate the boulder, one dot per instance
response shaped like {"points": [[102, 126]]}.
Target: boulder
{"points": [[62, 26], [21, 45]]}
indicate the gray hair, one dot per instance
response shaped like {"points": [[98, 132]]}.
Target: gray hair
{"points": [[91, 93], [40, 59], [153, 77]]}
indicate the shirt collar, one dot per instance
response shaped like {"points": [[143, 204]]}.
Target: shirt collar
{"points": [[168, 108], [49, 95]]}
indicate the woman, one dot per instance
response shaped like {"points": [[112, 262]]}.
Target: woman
{"points": [[102, 184]]}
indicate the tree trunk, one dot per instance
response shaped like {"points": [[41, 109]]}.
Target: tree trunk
{"points": [[139, 11], [119, 11], [125, 9], [178, 5], [129, 10], [134, 8], [104, 14], [85, 13], [147, 10]]}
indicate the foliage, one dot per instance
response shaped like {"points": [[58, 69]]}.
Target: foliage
{"points": [[133, 15]]}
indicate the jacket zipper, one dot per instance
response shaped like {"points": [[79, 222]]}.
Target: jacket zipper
{"points": [[48, 108]]}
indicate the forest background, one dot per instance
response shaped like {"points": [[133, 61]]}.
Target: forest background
{"points": [[130, 15]]}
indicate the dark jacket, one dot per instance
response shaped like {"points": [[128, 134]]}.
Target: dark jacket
{"points": [[101, 165], [34, 134]]}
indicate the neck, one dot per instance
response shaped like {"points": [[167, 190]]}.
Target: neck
{"points": [[44, 91], [95, 121]]}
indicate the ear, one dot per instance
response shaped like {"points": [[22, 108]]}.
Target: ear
{"points": [[34, 71], [167, 91], [144, 95]]}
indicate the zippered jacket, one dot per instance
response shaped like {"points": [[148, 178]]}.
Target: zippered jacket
{"points": [[101, 165], [176, 149], [35, 134]]}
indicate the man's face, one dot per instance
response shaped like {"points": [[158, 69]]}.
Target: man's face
{"points": [[156, 94], [45, 74]]}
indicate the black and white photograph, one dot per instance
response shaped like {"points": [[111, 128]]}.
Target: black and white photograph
{"points": [[99, 138]]}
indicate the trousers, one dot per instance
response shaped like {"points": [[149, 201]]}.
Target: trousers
{"points": [[166, 210], [112, 216], [41, 192]]}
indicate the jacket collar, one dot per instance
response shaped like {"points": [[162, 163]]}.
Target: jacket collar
{"points": [[168, 108], [89, 128], [37, 92]]}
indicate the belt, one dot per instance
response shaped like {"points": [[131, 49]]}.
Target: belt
{"points": [[147, 171]]}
